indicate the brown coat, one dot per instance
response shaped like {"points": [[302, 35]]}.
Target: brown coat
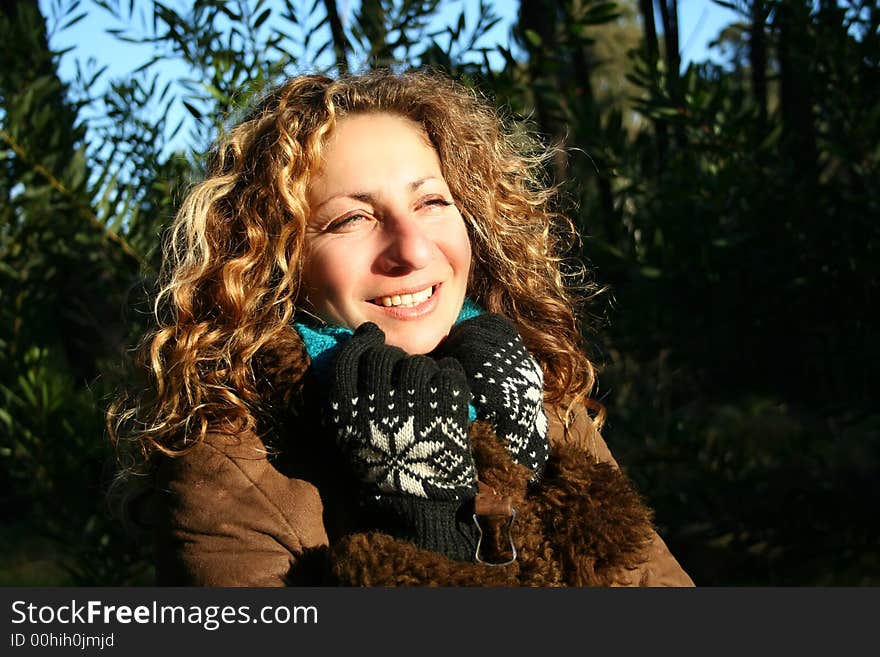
{"points": [[235, 511]]}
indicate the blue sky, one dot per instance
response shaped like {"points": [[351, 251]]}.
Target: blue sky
{"points": [[700, 21]]}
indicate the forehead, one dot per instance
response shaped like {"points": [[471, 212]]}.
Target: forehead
{"points": [[368, 137], [373, 153]]}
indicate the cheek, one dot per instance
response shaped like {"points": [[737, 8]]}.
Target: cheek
{"points": [[328, 277], [459, 252]]}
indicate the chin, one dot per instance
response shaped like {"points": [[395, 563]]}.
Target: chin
{"points": [[415, 344]]}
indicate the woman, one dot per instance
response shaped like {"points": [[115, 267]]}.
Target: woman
{"points": [[367, 369]]}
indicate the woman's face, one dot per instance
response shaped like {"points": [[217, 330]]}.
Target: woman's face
{"points": [[385, 242]]}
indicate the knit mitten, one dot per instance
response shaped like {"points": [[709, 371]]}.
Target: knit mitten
{"points": [[401, 422], [507, 384]]}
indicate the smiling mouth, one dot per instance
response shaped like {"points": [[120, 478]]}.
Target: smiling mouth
{"points": [[405, 300]]}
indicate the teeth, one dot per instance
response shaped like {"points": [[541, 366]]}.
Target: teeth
{"points": [[405, 300]]}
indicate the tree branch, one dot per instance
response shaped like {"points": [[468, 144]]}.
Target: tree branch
{"points": [[84, 210], [340, 42]]}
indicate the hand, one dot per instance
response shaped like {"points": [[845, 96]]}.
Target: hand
{"points": [[402, 423], [507, 384]]}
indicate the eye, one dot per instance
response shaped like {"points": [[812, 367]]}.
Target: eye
{"points": [[347, 223], [435, 202]]}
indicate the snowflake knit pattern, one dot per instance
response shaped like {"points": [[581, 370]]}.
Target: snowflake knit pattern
{"points": [[402, 420], [520, 381], [507, 384]]}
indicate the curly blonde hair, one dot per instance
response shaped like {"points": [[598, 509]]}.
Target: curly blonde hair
{"points": [[231, 279]]}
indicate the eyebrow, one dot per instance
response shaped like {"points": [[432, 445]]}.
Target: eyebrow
{"points": [[366, 197]]}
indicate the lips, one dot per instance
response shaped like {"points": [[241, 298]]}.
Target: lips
{"points": [[405, 300]]}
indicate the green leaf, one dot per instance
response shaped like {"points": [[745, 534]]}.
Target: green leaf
{"points": [[74, 21], [289, 12], [533, 38], [192, 110], [233, 15], [508, 57], [772, 139], [218, 95], [262, 18], [600, 15], [726, 5]]}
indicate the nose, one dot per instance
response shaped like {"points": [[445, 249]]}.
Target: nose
{"points": [[407, 246]]}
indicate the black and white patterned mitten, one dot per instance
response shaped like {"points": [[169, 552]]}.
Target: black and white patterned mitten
{"points": [[507, 384], [402, 423]]}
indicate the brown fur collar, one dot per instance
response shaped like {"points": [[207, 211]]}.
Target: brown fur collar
{"points": [[583, 524]]}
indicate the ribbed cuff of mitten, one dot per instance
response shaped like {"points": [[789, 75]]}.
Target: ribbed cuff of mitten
{"points": [[444, 526]]}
